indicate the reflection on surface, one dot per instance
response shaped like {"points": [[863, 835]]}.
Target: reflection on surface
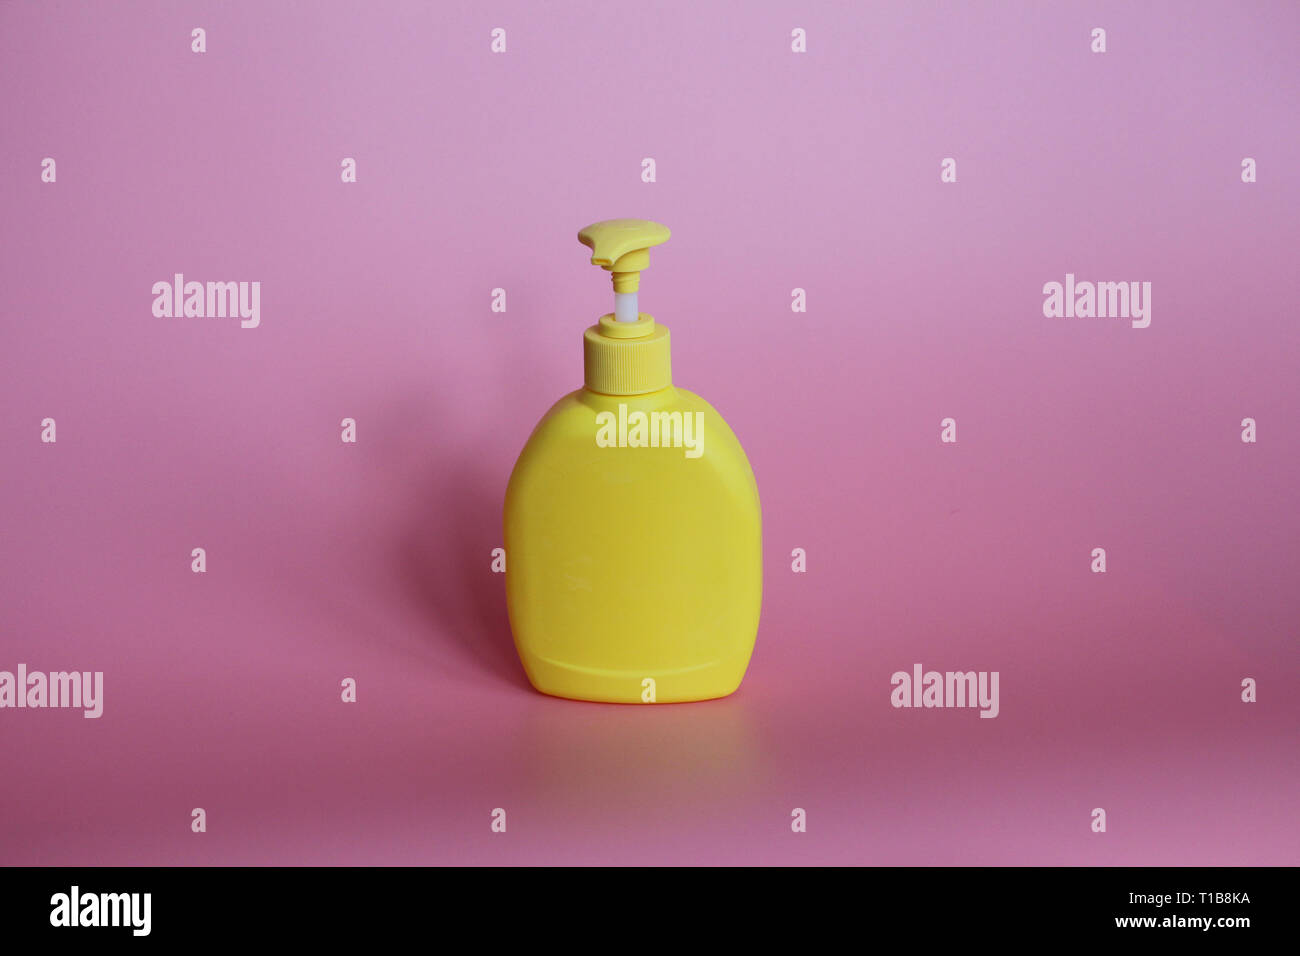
{"points": [[656, 759]]}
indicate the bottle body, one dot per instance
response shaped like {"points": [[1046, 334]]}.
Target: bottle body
{"points": [[633, 537]]}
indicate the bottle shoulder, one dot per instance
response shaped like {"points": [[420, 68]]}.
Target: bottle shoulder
{"points": [[582, 405], [581, 413], [622, 437]]}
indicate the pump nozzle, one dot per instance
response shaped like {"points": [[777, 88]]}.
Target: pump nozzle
{"points": [[622, 247]]}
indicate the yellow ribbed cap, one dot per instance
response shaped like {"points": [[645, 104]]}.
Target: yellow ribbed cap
{"points": [[617, 362]]}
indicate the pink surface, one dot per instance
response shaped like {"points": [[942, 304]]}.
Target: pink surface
{"points": [[775, 171]]}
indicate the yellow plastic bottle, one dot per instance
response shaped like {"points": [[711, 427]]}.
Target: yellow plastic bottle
{"points": [[633, 533]]}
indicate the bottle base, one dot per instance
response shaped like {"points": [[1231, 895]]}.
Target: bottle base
{"points": [[682, 685]]}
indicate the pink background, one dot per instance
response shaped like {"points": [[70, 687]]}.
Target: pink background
{"points": [[775, 171]]}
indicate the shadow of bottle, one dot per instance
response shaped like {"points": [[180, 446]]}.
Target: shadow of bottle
{"points": [[444, 565]]}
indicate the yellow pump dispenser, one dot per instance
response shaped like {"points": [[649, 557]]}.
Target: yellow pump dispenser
{"points": [[633, 530], [624, 353]]}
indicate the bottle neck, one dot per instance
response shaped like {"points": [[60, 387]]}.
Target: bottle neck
{"points": [[626, 358]]}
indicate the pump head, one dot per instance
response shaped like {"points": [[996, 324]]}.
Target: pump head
{"points": [[622, 247]]}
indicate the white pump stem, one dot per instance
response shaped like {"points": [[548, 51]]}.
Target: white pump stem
{"points": [[625, 307]]}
